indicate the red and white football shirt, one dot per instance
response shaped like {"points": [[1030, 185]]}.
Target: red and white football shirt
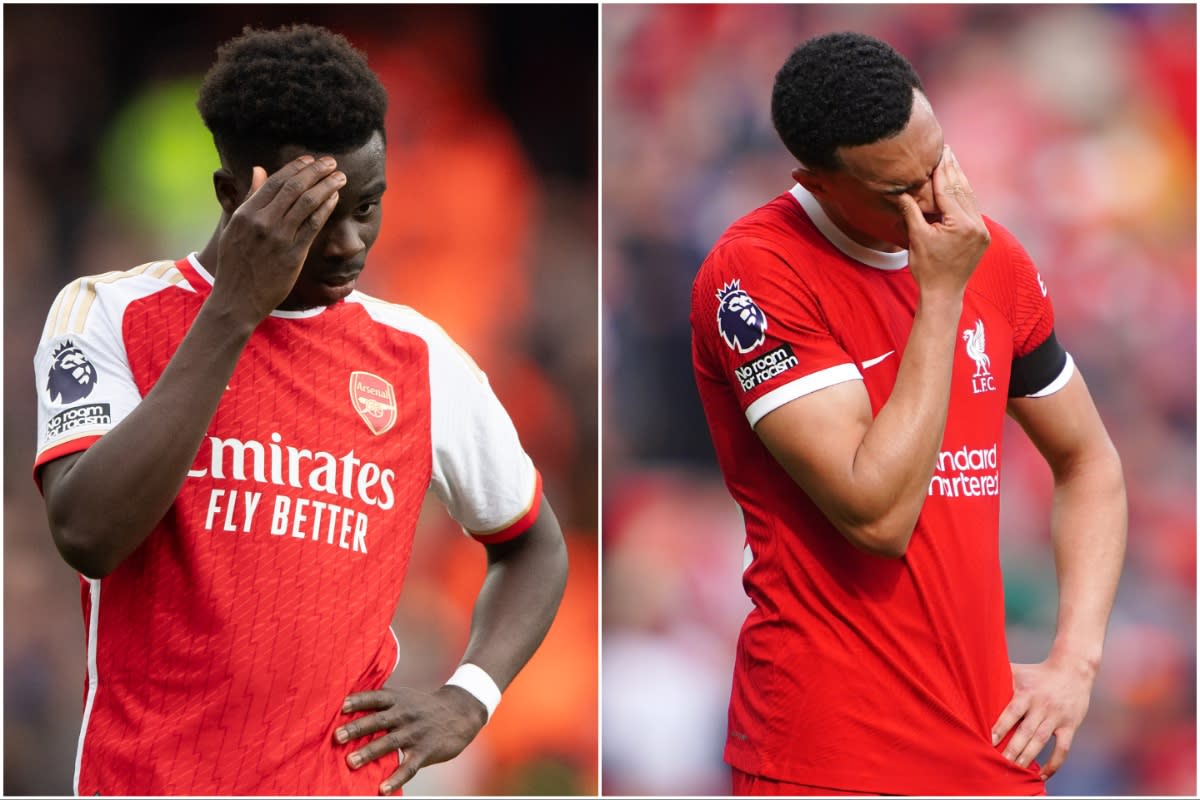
{"points": [[853, 671], [220, 651]]}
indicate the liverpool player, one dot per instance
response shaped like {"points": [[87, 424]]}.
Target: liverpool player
{"points": [[857, 342], [234, 447]]}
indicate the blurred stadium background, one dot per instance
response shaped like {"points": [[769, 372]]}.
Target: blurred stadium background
{"points": [[1077, 127], [490, 229]]}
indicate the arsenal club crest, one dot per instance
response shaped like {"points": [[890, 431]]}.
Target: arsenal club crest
{"points": [[375, 401]]}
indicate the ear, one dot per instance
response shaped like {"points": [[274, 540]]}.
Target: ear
{"points": [[814, 182], [229, 193]]}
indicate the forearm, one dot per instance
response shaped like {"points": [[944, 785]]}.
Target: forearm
{"points": [[518, 600], [105, 503], [1088, 532], [893, 464]]}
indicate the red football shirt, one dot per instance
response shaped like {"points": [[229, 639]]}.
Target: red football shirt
{"points": [[220, 651], [853, 671]]}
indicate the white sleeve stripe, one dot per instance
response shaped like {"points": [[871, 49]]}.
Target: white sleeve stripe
{"points": [[63, 306], [799, 388], [93, 675], [1063, 377], [76, 301]]}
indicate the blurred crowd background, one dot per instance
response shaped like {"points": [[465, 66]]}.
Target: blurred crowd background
{"points": [[490, 228], [1077, 128]]}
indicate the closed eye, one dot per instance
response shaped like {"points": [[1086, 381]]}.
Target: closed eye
{"points": [[365, 210]]}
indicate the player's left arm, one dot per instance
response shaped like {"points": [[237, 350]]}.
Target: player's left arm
{"points": [[517, 602], [1088, 528]]}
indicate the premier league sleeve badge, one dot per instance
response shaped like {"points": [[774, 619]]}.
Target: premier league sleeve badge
{"points": [[742, 324]]}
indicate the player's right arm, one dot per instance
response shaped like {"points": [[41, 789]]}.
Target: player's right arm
{"points": [[870, 476], [103, 502]]}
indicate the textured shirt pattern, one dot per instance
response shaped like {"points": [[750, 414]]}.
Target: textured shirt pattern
{"points": [[853, 671], [220, 651]]}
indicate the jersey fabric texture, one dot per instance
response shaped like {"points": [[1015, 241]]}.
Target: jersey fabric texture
{"points": [[220, 651], [857, 672]]}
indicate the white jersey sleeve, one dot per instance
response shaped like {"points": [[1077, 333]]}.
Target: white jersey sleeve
{"points": [[480, 470], [84, 382]]}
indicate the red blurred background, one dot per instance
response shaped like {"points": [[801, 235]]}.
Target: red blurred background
{"points": [[1077, 127]]}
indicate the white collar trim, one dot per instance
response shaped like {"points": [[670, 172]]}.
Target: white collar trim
{"points": [[207, 276], [864, 255]]}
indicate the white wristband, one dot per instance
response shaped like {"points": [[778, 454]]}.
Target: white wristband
{"points": [[479, 684]]}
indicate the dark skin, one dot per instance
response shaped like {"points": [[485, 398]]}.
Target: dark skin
{"points": [[293, 235]]}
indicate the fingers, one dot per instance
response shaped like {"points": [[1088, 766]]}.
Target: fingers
{"points": [[313, 208], [361, 727], [368, 701], [951, 189], [302, 194], [378, 748], [1031, 736], [298, 198], [1012, 714], [911, 210], [409, 764], [1062, 747], [258, 176], [263, 190]]}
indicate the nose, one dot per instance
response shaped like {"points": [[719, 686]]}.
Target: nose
{"points": [[342, 240]]}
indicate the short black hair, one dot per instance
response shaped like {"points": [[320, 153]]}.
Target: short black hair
{"points": [[841, 90], [294, 85]]}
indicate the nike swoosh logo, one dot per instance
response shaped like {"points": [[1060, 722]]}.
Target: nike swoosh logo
{"points": [[875, 361]]}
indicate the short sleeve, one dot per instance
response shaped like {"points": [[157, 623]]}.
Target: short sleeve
{"points": [[480, 470], [761, 329], [1040, 364], [83, 379]]}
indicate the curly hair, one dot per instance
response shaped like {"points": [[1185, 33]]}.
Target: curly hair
{"points": [[296, 85], [840, 90]]}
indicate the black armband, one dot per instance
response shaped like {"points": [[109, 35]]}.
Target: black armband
{"points": [[1037, 369]]}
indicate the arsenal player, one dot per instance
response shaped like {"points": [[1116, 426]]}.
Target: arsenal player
{"points": [[234, 448], [857, 343]]}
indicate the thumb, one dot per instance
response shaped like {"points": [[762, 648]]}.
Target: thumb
{"points": [[258, 177], [912, 214]]}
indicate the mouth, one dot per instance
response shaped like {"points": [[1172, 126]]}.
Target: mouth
{"points": [[340, 278]]}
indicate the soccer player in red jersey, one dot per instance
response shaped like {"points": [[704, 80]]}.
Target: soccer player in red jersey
{"points": [[234, 448], [857, 342]]}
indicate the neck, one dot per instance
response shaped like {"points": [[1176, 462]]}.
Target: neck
{"points": [[855, 235], [208, 256]]}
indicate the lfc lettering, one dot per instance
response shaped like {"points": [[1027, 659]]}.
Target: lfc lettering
{"points": [[984, 383]]}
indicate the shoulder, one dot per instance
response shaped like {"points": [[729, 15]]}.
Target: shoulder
{"points": [[77, 303], [1006, 261], [774, 227], [397, 317], [769, 245], [407, 320], [1001, 235], [142, 279]]}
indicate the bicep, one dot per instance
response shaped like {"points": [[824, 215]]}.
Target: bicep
{"points": [[544, 534], [815, 439], [1065, 426], [52, 475]]}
